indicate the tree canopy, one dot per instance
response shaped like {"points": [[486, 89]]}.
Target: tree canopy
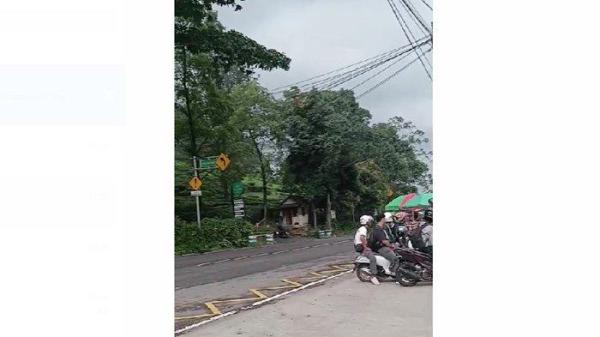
{"points": [[321, 144]]}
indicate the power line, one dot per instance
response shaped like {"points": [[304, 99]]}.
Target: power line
{"points": [[341, 78], [416, 14], [409, 31], [367, 69], [426, 4], [401, 21], [415, 20], [379, 72], [390, 77], [342, 68]]}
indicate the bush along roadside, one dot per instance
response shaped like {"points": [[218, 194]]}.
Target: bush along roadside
{"points": [[214, 234]]}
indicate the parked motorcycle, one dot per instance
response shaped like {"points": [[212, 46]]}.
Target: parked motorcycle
{"points": [[280, 232], [415, 266]]}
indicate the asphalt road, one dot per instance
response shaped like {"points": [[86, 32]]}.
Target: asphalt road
{"points": [[195, 270]]}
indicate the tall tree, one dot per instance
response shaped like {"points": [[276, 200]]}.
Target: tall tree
{"points": [[257, 116], [323, 131]]}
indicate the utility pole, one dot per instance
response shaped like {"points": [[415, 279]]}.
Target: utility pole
{"points": [[198, 218]]}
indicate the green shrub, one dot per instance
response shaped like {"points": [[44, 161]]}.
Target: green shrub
{"points": [[214, 234], [345, 228]]}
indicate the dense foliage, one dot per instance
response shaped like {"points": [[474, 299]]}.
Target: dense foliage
{"points": [[214, 234], [320, 145]]}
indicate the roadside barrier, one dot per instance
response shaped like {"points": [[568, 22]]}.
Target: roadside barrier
{"points": [[253, 239]]}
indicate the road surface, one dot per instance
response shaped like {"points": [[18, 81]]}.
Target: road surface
{"points": [[343, 307], [196, 270]]}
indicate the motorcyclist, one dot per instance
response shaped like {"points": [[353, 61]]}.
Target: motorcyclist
{"points": [[380, 243], [392, 228], [400, 221], [361, 246], [420, 232], [427, 232]]}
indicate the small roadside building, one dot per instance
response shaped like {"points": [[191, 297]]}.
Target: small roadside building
{"points": [[295, 210], [296, 213]]}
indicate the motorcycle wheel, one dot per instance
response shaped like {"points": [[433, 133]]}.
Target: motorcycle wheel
{"points": [[404, 280], [362, 274]]}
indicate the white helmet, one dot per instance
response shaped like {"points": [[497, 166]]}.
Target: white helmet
{"points": [[365, 219], [388, 217]]}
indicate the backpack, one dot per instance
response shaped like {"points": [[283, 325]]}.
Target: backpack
{"points": [[416, 238], [371, 241]]}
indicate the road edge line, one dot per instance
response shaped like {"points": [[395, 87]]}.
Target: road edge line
{"points": [[229, 313], [297, 289]]}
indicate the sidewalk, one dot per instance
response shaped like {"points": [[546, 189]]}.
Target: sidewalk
{"points": [[344, 307]]}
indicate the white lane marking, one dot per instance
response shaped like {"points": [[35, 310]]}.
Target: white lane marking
{"points": [[212, 262], [272, 253], [229, 313]]}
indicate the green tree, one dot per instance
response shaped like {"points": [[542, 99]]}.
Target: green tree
{"points": [[257, 116], [324, 129], [209, 61]]}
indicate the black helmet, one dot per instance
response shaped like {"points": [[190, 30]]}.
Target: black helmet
{"points": [[428, 215]]}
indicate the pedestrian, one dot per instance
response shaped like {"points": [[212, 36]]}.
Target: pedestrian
{"points": [[361, 246]]}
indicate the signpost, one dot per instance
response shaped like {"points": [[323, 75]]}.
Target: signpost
{"points": [[195, 184], [221, 163], [238, 208]]}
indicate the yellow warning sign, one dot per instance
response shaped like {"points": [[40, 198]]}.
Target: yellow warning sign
{"points": [[222, 162], [195, 183]]}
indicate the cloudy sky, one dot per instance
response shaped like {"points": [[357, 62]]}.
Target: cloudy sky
{"points": [[322, 35]]}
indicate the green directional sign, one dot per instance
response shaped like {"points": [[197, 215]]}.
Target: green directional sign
{"points": [[237, 189], [208, 163]]}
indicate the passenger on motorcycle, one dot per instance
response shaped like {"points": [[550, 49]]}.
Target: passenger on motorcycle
{"points": [[420, 232], [399, 228], [360, 245], [380, 243]]}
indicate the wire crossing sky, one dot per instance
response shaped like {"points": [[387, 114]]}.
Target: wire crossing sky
{"points": [[333, 42]]}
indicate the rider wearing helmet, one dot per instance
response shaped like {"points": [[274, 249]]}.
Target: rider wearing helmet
{"points": [[427, 232], [360, 245], [400, 221]]}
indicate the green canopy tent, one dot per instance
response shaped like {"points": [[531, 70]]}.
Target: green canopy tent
{"points": [[409, 201], [419, 201]]}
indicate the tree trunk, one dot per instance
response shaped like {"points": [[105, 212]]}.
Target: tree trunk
{"points": [[263, 174], [328, 214], [353, 216], [314, 212], [188, 108]]}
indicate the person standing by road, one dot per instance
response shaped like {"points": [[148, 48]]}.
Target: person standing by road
{"points": [[361, 246], [380, 243]]}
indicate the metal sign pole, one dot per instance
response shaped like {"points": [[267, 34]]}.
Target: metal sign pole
{"points": [[197, 197]]}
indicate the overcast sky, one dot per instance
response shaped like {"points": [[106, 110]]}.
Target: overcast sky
{"points": [[322, 35]]}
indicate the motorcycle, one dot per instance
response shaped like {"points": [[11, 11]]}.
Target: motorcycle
{"points": [[361, 265], [280, 232], [415, 266]]}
